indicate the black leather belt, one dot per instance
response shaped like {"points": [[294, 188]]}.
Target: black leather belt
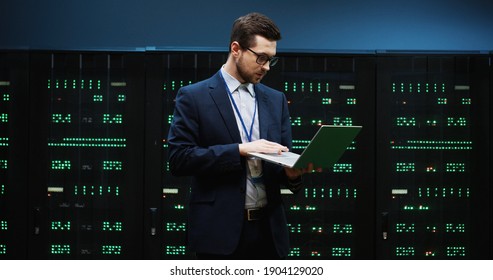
{"points": [[255, 214]]}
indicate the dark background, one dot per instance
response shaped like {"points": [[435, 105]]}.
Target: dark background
{"points": [[352, 25], [107, 72]]}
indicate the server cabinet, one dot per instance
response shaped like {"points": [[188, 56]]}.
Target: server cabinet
{"points": [[84, 172], [333, 216], [432, 157], [14, 114], [86, 155], [167, 196]]}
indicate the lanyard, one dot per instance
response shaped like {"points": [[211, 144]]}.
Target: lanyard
{"points": [[248, 134]]}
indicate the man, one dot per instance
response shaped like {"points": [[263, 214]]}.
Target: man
{"points": [[235, 209]]}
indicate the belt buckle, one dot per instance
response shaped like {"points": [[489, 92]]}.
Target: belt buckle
{"points": [[251, 214]]}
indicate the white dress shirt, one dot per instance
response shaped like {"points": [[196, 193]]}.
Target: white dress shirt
{"points": [[244, 98]]}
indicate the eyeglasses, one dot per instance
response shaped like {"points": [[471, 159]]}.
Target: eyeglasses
{"points": [[262, 59]]}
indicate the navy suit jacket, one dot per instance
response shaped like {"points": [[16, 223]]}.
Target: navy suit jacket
{"points": [[203, 143]]}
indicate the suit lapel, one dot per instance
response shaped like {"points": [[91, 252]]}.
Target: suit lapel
{"points": [[217, 91]]}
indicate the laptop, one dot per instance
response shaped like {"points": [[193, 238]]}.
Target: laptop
{"points": [[324, 150]]}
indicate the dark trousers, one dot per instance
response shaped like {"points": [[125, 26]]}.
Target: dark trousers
{"points": [[255, 244]]}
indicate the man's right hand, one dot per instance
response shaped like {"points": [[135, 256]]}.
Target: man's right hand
{"points": [[261, 146]]}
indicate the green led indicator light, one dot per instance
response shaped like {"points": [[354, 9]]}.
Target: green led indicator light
{"points": [[455, 167], [176, 84], [342, 168], [4, 117], [351, 101], [3, 249], [431, 123], [4, 141], [112, 226], [315, 254], [455, 228], [431, 229], [341, 252], [317, 229], [327, 87], [175, 250], [444, 192], [294, 228], [60, 249], [300, 144], [6, 97], [309, 87], [176, 227], [461, 121], [60, 226], [112, 165], [91, 142], [3, 225], [342, 228], [418, 208], [456, 251], [432, 145], [111, 249], [295, 208], [406, 87], [326, 101], [2, 189], [343, 121], [3, 164], [403, 121], [404, 228], [96, 190], [72, 84], [404, 251], [116, 118], [340, 193], [121, 97], [296, 121], [295, 252], [60, 165], [97, 98], [61, 118], [466, 101]]}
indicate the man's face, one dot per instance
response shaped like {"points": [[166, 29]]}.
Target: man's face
{"points": [[248, 68]]}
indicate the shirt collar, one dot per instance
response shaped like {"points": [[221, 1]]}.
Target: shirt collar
{"points": [[233, 84]]}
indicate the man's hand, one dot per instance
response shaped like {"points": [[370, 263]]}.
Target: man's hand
{"points": [[294, 173], [261, 146]]}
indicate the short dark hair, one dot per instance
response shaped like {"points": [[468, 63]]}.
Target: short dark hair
{"points": [[246, 27]]}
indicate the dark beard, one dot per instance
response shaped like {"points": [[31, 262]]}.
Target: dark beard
{"points": [[245, 77]]}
